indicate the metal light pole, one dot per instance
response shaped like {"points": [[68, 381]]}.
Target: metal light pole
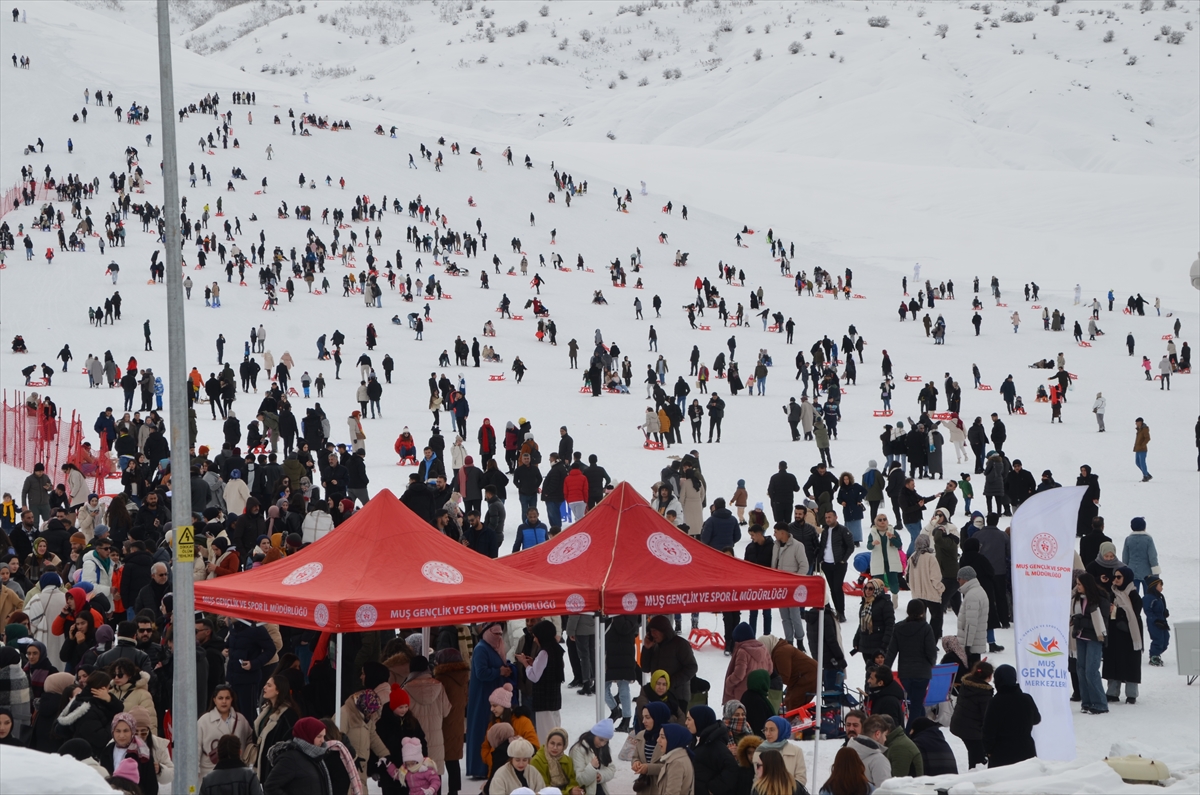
{"points": [[184, 683]]}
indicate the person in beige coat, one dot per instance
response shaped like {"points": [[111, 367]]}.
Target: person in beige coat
{"points": [[693, 493], [517, 772], [925, 580], [360, 713], [164, 766], [132, 687], [673, 773], [236, 494], [455, 676], [219, 721], [430, 706]]}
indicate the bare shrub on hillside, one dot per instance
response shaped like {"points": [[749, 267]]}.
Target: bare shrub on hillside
{"points": [[1168, 3], [878, 22], [522, 26], [942, 30], [1132, 61], [544, 11], [807, 35], [1054, 10], [645, 54], [1165, 30], [621, 74], [610, 135], [562, 44], [486, 12], [758, 54], [795, 48], [585, 34], [645, 81], [1146, 5], [1080, 24], [1176, 37], [1108, 36], [612, 83]]}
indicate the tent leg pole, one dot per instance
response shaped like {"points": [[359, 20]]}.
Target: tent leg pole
{"points": [[820, 687], [337, 699], [598, 672]]}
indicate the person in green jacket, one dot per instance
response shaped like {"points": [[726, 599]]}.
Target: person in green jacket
{"points": [[554, 763]]}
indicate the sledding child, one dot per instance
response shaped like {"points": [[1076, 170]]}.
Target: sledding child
{"points": [[1155, 607]]}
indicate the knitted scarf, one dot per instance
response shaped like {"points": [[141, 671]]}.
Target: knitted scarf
{"points": [[1123, 602], [348, 762]]}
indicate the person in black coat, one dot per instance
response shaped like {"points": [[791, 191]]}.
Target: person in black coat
{"points": [[620, 665], [715, 769], [935, 751], [913, 642], [977, 437], [230, 776], [418, 498], [885, 696], [876, 621], [396, 723], [1089, 506], [89, 715], [1008, 725], [298, 765]]}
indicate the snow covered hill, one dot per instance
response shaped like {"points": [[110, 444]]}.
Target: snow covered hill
{"points": [[874, 164]]}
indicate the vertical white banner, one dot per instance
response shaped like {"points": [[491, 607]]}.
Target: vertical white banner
{"points": [[1043, 555]]}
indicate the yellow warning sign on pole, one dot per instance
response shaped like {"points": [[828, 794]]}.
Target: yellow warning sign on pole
{"points": [[185, 544]]}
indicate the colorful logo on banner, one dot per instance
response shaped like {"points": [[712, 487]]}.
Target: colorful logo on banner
{"points": [[1045, 646], [569, 549]]}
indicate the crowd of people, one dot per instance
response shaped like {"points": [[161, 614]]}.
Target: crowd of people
{"points": [[85, 589]]}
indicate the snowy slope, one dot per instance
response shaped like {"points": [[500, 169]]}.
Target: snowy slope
{"points": [[845, 203]]}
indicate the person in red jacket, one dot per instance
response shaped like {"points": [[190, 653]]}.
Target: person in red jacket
{"points": [[487, 442], [406, 447], [76, 604], [575, 492]]}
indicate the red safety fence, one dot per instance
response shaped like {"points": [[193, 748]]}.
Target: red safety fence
{"points": [[28, 436], [13, 198]]}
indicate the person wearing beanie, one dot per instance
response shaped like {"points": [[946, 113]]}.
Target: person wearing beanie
{"points": [[500, 702], [1155, 607], [1008, 725], [418, 773], [715, 767], [298, 764], [127, 756], [674, 771], [738, 500], [517, 771], [552, 761], [1140, 554], [972, 615], [748, 654], [396, 726]]}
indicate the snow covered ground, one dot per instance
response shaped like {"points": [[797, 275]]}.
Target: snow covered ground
{"points": [[1059, 163]]}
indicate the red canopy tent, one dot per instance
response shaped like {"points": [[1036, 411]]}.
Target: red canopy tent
{"points": [[385, 568], [640, 563]]}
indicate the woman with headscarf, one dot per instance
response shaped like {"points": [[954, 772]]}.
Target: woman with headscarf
{"points": [[592, 756], [876, 620], [713, 765], [360, 715], [884, 544], [658, 689], [758, 705], [924, 577], [496, 748], [298, 764], [672, 773], [547, 673], [1123, 654], [652, 718], [49, 706], [734, 718], [37, 666], [160, 755], [489, 671], [1008, 725], [553, 762], [78, 640], [778, 737], [125, 744]]}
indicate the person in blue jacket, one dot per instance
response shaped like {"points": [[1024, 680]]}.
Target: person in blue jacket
{"points": [[1140, 554], [531, 532]]}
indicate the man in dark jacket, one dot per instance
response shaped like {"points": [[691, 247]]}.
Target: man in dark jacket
{"points": [[935, 751], [912, 510], [357, 479], [250, 648], [820, 486], [494, 519], [106, 428], [552, 493], [978, 439], [480, 537], [666, 651], [201, 492], [126, 649], [780, 489], [836, 547], [721, 530], [149, 521], [913, 642], [598, 480], [151, 594], [135, 573], [999, 433], [418, 498], [566, 445], [528, 479], [758, 551], [1019, 485]]}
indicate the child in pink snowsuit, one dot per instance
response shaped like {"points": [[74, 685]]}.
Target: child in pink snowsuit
{"points": [[419, 772]]}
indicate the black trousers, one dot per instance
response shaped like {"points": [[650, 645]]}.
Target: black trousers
{"points": [[835, 575]]}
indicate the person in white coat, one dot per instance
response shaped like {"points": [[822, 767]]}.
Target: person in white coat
{"points": [[236, 494], [958, 438], [1098, 409]]}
